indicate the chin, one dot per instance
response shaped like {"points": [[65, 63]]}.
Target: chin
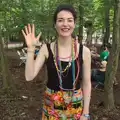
{"points": [[65, 34]]}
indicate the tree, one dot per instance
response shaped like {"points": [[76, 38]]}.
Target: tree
{"points": [[107, 6], [81, 20], [89, 25], [113, 60], [6, 76]]}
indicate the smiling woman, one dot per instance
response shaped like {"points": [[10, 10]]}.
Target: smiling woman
{"points": [[68, 90], [64, 20], [65, 23]]}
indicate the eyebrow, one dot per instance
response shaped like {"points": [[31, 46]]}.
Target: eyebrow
{"points": [[67, 18]]}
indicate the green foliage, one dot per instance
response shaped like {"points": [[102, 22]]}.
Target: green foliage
{"points": [[17, 13]]}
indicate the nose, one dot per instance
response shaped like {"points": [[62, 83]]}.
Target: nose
{"points": [[65, 22]]}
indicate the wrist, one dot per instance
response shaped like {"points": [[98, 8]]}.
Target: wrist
{"points": [[31, 49], [86, 116], [85, 111]]}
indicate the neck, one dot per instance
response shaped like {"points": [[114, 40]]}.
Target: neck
{"points": [[65, 41]]}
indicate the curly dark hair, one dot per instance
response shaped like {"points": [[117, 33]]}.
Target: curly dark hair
{"points": [[66, 7]]}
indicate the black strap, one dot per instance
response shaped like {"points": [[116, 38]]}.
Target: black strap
{"points": [[48, 47], [49, 51]]}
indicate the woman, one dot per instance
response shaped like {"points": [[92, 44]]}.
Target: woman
{"points": [[67, 95]]}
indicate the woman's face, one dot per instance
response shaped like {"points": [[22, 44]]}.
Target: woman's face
{"points": [[65, 23]]}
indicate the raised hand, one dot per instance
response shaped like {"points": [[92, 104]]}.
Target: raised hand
{"points": [[29, 35]]}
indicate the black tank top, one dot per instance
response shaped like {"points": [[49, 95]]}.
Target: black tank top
{"points": [[53, 79]]}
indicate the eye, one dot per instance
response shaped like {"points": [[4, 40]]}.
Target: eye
{"points": [[59, 20], [70, 20]]}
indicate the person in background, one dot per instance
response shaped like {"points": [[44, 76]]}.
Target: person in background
{"points": [[104, 53], [98, 75]]}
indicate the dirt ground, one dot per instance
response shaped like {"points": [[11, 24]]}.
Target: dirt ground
{"points": [[26, 105]]}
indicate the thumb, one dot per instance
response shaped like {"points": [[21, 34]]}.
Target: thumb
{"points": [[39, 35]]}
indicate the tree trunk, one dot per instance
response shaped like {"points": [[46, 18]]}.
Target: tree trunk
{"points": [[81, 22], [106, 21], [113, 60], [6, 77], [89, 35]]}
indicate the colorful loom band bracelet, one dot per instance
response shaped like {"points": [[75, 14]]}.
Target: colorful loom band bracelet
{"points": [[86, 115]]}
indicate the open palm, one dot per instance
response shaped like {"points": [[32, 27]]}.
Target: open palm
{"points": [[29, 35]]}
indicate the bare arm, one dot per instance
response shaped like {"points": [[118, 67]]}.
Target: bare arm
{"points": [[86, 79], [33, 66]]}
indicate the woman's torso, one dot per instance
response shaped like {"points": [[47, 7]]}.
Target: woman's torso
{"points": [[67, 82]]}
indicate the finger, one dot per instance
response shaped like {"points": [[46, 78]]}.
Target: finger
{"points": [[39, 35], [29, 28], [23, 33], [33, 28], [26, 30]]}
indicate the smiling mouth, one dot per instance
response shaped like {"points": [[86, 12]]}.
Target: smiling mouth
{"points": [[65, 29]]}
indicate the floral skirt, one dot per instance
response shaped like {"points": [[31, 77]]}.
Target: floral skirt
{"points": [[62, 105]]}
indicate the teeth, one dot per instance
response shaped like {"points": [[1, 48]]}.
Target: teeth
{"points": [[65, 29]]}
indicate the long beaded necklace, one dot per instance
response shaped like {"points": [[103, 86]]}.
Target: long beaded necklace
{"points": [[58, 62], [56, 58]]}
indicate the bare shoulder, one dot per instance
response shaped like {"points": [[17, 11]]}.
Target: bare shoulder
{"points": [[86, 52], [44, 49], [86, 49]]}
